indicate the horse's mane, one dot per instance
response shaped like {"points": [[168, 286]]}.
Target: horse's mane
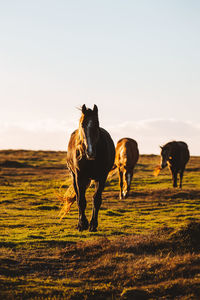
{"points": [[80, 149], [79, 145]]}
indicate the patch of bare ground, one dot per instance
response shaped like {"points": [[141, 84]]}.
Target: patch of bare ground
{"points": [[164, 264]]}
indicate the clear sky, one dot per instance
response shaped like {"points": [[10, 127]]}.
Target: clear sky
{"points": [[139, 61]]}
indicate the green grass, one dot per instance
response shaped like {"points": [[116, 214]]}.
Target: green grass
{"points": [[32, 238]]}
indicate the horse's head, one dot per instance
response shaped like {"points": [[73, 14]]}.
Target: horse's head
{"points": [[165, 156], [89, 130]]}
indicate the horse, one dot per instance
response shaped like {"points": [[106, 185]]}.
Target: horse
{"points": [[90, 156], [126, 157], [176, 155]]}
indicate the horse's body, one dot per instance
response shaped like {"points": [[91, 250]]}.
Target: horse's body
{"points": [[90, 156], [126, 157], [175, 155]]}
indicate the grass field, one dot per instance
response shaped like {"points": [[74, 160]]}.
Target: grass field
{"points": [[146, 246]]}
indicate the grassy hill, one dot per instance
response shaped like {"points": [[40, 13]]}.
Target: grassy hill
{"points": [[146, 246]]}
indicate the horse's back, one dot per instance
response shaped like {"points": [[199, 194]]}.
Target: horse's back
{"points": [[184, 152], [180, 152], [127, 152]]}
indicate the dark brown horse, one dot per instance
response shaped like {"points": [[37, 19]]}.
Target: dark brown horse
{"points": [[126, 157], [175, 155], [90, 156]]}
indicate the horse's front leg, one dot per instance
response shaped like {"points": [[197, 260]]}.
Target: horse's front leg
{"points": [[97, 200], [174, 178], [181, 178], [81, 186]]}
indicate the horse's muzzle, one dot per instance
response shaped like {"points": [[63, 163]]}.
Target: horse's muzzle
{"points": [[90, 155], [163, 165]]}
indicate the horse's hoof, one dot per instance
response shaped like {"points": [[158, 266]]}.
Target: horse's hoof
{"points": [[93, 226], [83, 226], [91, 229]]}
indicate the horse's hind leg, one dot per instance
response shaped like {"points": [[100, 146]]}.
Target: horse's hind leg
{"points": [[121, 184], [175, 179], [97, 200]]}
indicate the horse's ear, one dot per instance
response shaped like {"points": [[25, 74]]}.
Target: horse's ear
{"points": [[95, 109], [83, 108]]}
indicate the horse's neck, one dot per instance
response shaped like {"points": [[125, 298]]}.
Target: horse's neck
{"points": [[80, 136]]}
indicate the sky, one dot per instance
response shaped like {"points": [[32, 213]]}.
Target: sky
{"points": [[138, 61]]}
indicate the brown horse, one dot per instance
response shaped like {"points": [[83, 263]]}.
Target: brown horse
{"points": [[90, 156], [126, 157], [175, 155]]}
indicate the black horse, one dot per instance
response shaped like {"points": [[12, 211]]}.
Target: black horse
{"points": [[175, 155], [90, 156]]}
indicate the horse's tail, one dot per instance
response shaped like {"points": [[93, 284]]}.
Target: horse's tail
{"points": [[157, 171], [112, 171], [68, 199]]}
